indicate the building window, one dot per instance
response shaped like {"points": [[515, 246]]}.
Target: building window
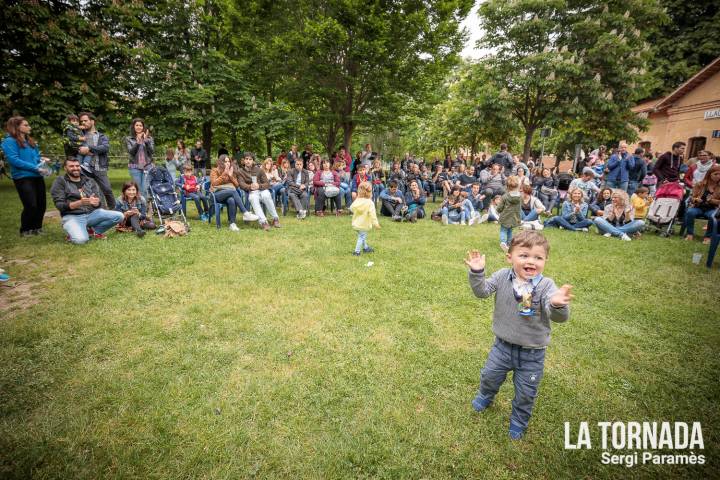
{"points": [[695, 144]]}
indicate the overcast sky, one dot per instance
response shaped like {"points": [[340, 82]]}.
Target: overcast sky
{"points": [[472, 24]]}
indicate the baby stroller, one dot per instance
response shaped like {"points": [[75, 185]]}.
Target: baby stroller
{"points": [[663, 211], [164, 198]]}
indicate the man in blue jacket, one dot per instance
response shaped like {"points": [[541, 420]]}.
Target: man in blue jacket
{"points": [[619, 167]]}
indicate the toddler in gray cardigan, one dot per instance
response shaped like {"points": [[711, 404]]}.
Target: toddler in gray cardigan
{"points": [[525, 303]]}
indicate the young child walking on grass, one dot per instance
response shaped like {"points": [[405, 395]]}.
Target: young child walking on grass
{"points": [[525, 303], [509, 210], [364, 217]]}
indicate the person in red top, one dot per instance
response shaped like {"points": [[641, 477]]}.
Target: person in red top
{"points": [[361, 176], [345, 156], [281, 157], [191, 188]]}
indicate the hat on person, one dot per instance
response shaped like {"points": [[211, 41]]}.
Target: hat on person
{"points": [[588, 171]]}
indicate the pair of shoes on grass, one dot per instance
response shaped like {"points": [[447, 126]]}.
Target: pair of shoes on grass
{"points": [[366, 250]]}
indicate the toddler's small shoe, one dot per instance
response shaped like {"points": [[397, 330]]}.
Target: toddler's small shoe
{"points": [[479, 403], [516, 431], [356, 254], [204, 217], [368, 250]]}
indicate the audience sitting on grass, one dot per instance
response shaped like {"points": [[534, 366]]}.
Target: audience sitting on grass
{"points": [[474, 206], [520, 173], [223, 184], [703, 203], [602, 200], [191, 188], [298, 182], [618, 219], [453, 209], [573, 214], [441, 180], [134, 207], [327, 185], [530, 209], [415, 201], [253, 181], [78, 198], [377, 177], [392, 202], [345, 181]]}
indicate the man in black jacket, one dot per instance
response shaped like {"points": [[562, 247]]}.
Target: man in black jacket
{"points": [[199, 158], [98, 146], [667, 167], [78, 199]]}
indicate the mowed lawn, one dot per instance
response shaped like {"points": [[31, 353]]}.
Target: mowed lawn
{"points": [[279, 355]]}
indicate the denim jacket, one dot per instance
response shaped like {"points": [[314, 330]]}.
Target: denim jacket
{"points": [[568, 211], [140, 203]]}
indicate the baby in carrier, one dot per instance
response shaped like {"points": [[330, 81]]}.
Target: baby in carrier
{"points": [[73, 139]]}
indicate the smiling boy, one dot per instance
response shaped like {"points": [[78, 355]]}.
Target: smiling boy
{"points": [[525, 303]]}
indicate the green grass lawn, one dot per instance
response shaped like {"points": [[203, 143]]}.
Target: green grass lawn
{"points": [[279, 355]]}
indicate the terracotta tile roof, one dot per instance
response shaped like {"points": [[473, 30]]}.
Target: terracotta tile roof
{"points": [[688, 86]]}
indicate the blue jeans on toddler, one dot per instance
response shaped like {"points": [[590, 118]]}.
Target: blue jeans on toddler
{"points": [[527, 365], [505, 235], [361, 243]]}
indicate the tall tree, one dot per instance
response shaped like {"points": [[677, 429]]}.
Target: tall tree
{"points": [[560, 60], [363, 60], [685, 43]]}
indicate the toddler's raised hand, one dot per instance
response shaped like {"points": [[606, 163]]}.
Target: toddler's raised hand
{"points": [[475, 260], [562, 297]]}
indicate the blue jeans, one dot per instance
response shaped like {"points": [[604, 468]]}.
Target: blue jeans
{"points": [[376, 189], [694, 212], [100, 220], [201, 202], [505, 235], [231, 198], [604, 226], [528, 365], [559, 221], [548, 201], [361, 241], [279, 189], [617, 184], [532, 215], [345, 192], [138, 177], [468, 209], [454, 216], [632, 187]]}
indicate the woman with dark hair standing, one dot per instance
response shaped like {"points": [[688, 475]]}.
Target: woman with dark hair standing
{"points": [[26, 169], [140, 146]]}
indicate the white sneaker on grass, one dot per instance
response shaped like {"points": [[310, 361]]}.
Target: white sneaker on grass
{"points": [[484, 218], [607, 235], [234, 228], [537, 225], [625, 237], [584, 230], [444, 219], [249, 217]]}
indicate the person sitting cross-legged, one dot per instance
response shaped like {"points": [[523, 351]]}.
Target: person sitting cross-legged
{"points": [[298, 182], [618, 219], [393, 202], [415, 200], [223, 185], [573, 214], [254, 182], [78, 199], [530, 209]]}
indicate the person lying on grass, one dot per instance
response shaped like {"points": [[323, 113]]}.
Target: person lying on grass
{"points": [[525, 303]]}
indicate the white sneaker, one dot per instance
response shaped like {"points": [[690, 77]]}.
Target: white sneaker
{"points": [[444, 219], [625, 237], [607, 235], [303, 214], [249, 217], [234, 228], [526, 226], [584, 230], [473, 220], [483, 218], [537, 225]]}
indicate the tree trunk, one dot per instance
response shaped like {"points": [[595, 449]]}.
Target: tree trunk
{"points": [[529, 132], [233, 140], [268, 143], [207, 134], [331, 139], [348, 129]]}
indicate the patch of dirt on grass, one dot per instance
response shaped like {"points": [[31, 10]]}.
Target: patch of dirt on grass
{"points": [[16, 297]]}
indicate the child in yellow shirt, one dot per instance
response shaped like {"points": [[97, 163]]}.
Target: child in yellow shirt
{"points": [[364, 217], [641, 201]]}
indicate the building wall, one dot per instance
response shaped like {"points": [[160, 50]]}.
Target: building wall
{"points": [[686, 119]]}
